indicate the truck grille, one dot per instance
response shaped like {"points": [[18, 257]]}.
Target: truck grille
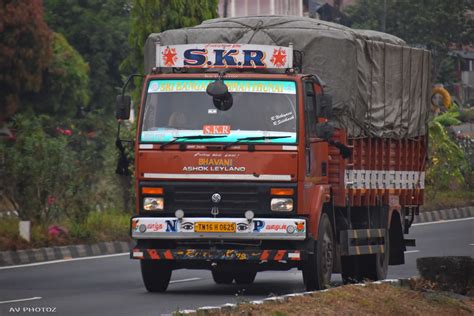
{"points": [[194, 198], [234, 200]]}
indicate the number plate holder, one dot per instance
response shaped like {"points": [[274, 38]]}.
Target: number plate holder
{"points": [[215, 227]]}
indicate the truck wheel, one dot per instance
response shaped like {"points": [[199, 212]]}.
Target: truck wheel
{"points": [[375, 267], [245, 277], [359, 268], [318, 269], [156, 275], [349, 269], [222, 277]]}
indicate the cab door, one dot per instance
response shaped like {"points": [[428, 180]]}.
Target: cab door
{"points": [[316, 149], [316, 188]]}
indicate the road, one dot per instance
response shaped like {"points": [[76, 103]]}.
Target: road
{"points": [[112, 285]]}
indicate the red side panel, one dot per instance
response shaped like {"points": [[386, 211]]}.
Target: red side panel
{"points": [[379, 168]]}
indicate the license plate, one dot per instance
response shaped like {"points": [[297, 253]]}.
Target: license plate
{"points": [[214, 227]]}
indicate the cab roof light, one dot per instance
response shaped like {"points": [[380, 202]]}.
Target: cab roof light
{"points": [[156, 191], [282, 191]]}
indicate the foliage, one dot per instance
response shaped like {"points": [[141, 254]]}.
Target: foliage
{"points": [[98, 30], [25, 52], [436, 199], [65, 89], [447, 161], [467, 115], [36, 167], [154, 16], [448, 118], [56, 169], [434, 24]]}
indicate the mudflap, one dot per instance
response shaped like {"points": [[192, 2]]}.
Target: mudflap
{"points": [[363, 241]]}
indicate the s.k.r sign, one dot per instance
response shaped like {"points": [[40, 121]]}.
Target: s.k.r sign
{"points": [[224, 56]]}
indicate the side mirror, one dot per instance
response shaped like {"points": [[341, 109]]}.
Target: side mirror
{"points": [[220, 94], [324, 106], [123, 103], [324, 130]]}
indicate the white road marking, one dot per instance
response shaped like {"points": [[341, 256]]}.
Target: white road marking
{"points": [[446, 221], [471, 244], [22, 300], [185, 280], [411, 251], [63, 260]]}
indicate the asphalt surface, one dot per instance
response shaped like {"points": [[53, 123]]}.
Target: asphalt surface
{"points": [[112, 285]]}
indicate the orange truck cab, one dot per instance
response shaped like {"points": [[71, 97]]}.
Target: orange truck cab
{"points": [[239, 170]]}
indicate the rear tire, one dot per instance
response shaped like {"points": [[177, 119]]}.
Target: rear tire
{"points": [[156, 275], [365, 267], [375, 267], [245, 277], [222, 277], [349, 269], [318, 269]]}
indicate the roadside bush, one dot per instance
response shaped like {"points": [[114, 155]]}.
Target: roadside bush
{"points": [[57, 169], [448, 164], [37, 167]]}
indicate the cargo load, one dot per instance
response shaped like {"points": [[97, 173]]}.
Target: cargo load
{"points": [[380, 85]]}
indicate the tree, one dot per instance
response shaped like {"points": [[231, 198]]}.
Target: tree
{"points": [[154, 16], [435, 24], [98, 30], [65, 88], [25, 51]]}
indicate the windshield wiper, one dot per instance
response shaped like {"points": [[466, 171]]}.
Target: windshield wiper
{"points": [[174, 140], [253, 138]]}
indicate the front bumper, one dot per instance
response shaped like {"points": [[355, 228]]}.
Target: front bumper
{"points": [[255, 229], [218, 254]]}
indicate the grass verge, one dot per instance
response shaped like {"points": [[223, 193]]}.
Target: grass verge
{"points": [[441, 200], [97, 227], [370, 299]]}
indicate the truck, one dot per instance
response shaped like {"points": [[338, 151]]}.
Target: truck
{"points": [[273, 143]]}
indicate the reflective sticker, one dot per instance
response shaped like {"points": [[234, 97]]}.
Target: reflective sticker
{"points": [[258, 225], [138, 254], [251, 86], [294, 255], [216, 129]]}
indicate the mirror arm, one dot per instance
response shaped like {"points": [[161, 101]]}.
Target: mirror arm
{"points": [[345, 151], [124, 87]]}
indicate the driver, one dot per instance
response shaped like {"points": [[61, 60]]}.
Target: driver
{"points": [[177, 120]]}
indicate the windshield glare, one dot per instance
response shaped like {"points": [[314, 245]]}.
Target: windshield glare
{"points": [[177, 108]]}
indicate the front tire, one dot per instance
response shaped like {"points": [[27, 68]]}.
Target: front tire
{"points": [[317, 271], [156, 275], [222, 277], [245, 277]]}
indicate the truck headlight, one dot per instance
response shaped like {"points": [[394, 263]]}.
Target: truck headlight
{"points": [[281, 204], [153, 204]]}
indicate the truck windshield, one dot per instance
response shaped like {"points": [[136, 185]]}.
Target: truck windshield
{"points": [[176, 108]]}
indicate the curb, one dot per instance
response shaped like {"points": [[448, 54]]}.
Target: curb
{"points": [[229, 307], [452, 213], [11, 258]]}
